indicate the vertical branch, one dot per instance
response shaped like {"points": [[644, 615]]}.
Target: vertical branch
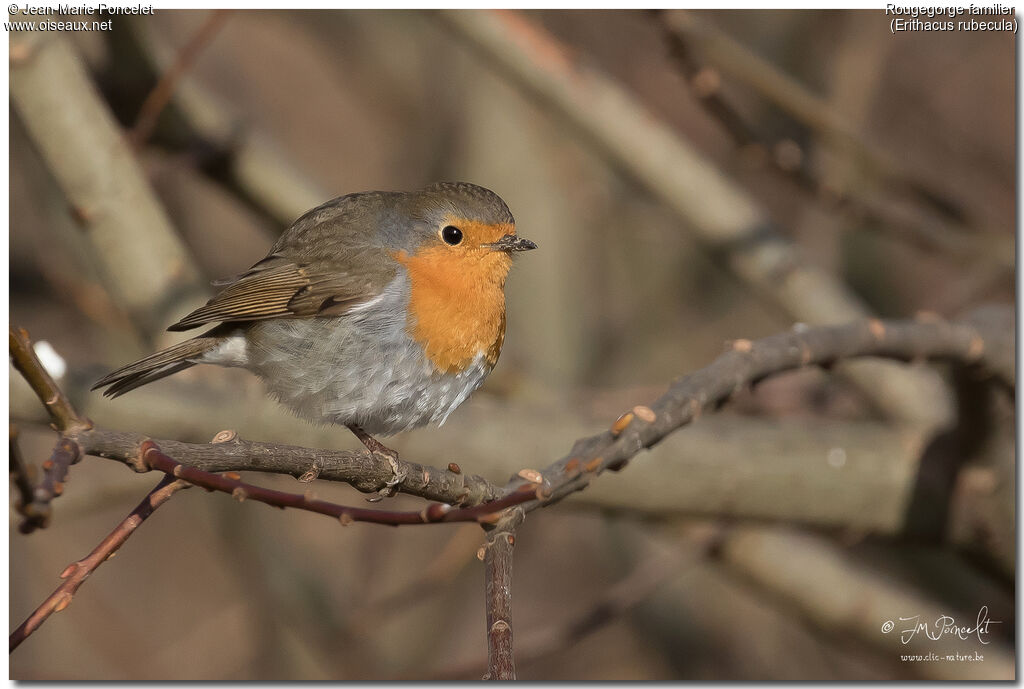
{"points": [[498, 592], [37, 509], [24, 358], [76, 573]]}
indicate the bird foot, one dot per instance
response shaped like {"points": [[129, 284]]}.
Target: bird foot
{"points": [[391, 487], [378, 448]]}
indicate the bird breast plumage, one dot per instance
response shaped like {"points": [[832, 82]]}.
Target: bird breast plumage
{"points": [[364, 368]]}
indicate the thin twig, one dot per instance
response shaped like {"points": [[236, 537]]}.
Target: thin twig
{"points": [[76, 573], [161, 94], [151, 456], [24, 358], [747, 363], [55, 473], [646, 578]]}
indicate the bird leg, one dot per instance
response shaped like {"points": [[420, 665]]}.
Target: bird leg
{"points": [[377, 447]]}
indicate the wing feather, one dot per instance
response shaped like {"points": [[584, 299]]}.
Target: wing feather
{"points": [[277, 287]]}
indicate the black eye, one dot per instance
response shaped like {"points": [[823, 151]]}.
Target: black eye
{"points": [[451, 235]]}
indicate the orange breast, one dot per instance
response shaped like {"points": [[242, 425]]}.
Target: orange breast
{"points": [[457, 304]]}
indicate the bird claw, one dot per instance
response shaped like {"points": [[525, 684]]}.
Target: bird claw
{"points": [[381, 450], [390, 488]]}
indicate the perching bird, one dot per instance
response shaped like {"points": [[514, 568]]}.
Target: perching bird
{"points": [[380, 311]]}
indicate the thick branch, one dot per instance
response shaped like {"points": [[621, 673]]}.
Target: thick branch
{"points": [[361, 469], [145, 265], [76, 573]]}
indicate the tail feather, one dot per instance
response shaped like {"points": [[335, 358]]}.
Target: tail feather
{"points": [[155, 366]]}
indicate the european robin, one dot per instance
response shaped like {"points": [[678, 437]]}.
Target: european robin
{"points": [[380, 311]]}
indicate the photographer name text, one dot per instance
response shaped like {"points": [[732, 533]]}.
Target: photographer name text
{"points": [[78, 10]]}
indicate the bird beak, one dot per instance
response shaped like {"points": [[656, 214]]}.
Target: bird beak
{"points": [[510, 243]]}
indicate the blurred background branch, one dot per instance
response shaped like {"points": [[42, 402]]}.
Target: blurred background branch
{"points": [[661, 240], [688, 35], [145, 265]]}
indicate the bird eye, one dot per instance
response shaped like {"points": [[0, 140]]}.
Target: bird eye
{"points": [[451, 235]]}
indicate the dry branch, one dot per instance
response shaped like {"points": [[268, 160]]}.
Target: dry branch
{"points": [[498, 598], [645, 578], [151, 457], [748, 363], [838, 473], [76, 573], [361, 469], [24, 358]]}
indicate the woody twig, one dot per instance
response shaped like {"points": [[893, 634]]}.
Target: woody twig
{"points": [[151, 457], [34, 502], [749, 362], [498, 597], [77, 572]]}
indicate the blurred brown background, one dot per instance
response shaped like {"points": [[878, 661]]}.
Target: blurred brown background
{"points": [[888, 162]]}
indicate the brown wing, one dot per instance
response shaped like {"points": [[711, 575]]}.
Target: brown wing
{"points": [[277, 287]]}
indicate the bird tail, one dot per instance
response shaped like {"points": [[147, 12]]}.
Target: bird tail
{"points": [[159, 365]]}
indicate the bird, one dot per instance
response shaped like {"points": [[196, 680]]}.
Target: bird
{"points": [[380, 311]]}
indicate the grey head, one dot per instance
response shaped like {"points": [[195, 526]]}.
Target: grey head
{"points": [[426, 212], [396, 220]]}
